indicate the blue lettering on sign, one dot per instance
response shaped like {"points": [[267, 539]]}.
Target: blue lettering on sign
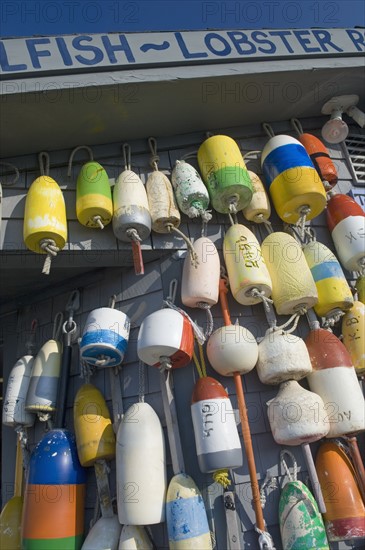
{"points": [[34, 53], [184, 49], [98, 54], [64, 51], [213, 36], [256, 36], [123, 46], [239, 39], [305, 41], [4, 62]]}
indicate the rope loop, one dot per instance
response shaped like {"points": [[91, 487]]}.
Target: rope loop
{"points": [[79, 148], [297, 126], [332, 319], [155, 159], [285, 466], [17, 173], [193, 255], [165, 364], [304, 211], [51, 249], [57, 325], [256, 293], [210, 322], [222, 477], [43, 159], [246, 156], [197, 331], [133, 235], [127, 156], [97, 219], [189, 156], [271, 483], [268, 129], [200, 367]]}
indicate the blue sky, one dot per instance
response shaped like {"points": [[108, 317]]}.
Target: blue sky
{"points": [[49, 17]]}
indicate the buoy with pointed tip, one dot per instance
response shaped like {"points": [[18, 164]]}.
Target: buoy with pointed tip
{"points": [[93, 427], [104, 535], [346, 222], [294, 185], [345, 510], [200, 283], [353, 331], [166, 338], [216, 437], [53, 512], [282, 357], [134, 537], [141, 482], [334, 379], [293, 287], [14, 412], [232, 349], [186, 517], [94, 206], [296, 415], [225, 174], [360, 288], [191, 193], [105, 337], [334, 293], [259, 209], [246, 267]]}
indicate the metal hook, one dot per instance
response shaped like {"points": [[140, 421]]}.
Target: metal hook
{"points": [[127, 156], [152, 142], [57, 325], [17, 173], [172, 291], [88, 149], [297, 126], [268, 129]]}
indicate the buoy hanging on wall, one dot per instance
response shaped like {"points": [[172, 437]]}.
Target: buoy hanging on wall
{"points": [[353, 331], [334, 379], [94, 206], [259, 209], [141, 483], [134, 537], [45, 223], [319, 155], [334, 293], [105, 337], [104, 535], [53, 513], [360, 288], [225, 174], [191, 194], [345, 515], [131, 215], [247, 271], [294, 185], [346, 222], [293, 287]]}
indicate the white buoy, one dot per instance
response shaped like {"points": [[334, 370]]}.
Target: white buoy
{"points": [[200, 283], [104, 535], [134, 537], [14, 412], [232, 349]]}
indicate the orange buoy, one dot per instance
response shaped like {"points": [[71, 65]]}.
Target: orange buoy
{"points": [[345, 515]]}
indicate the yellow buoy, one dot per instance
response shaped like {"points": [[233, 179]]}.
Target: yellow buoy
{"points": [[353, 330], [360, 287], [93, 428], [259, 209], [293, 287], [334, 292], [45, 224]]}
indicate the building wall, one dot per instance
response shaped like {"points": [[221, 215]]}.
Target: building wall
{"points": [[140, 296]]}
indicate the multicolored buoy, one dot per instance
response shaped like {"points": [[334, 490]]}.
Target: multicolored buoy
{"points": [[53, 513], [353, 331], [191, 194]]}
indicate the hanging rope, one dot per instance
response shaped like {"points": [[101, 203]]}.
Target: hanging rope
{"points": [[127, 156], [285, 466], [256, 293], [57, 326], [331, 320], [295, 319], [91, 157], [133, 235], [193, 254], [265, 540], [141, 381], [209, 318], [190, 155], [268, 129], [304, 211], [198, 333], [43, 159], [361, 264], [16, 177], [233, 203], [98, 220], [270, 482], [154, 159], [249, 154], [50, 247], [297, 126], [200, 367]]}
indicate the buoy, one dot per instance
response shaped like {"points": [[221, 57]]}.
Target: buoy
{"points": [[295, 187], [334, 293], [191, 194], [225, 174], [259, 209], [345, 515], [94, 206], [93, 428], [141, 482], [186, 518], [247, 271], [216, 437], [353, 330], [14, 412], [282, 356], [11, 514], [53, 513], [319, 155], [346, 222], [334, 379], [42, 391], [45, 224], [131, 215], [165, 338], [105, 337], [360, 288], [104, 535], [200, 284], [231, 349], [301, 524], [134, 537], [161, 199], [293, 287], [296, 415]]}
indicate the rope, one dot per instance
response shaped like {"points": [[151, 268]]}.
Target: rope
{"points": [[265, 540], [285, 466], [73, 154], [190, 155], [331, 320], [267, 223], [141, 382], [361, 264], [198, 333], [200, 367], [165, 363], [112, 301], [231, 219], [133, 235], [127, 156], [271, 483], [297, 126], [154, 159], [268, 129], [256, 293], [222, 477], [295, 317], [304, 211], [210, 322], [193, 254], [97, 220], [57, 325], [233, 202], [247, 155], [86, 371], [17, 173], [49, 246], [43, 164]]}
